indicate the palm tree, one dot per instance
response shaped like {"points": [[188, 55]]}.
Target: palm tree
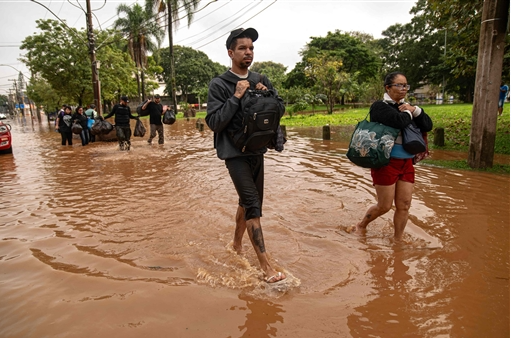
{"points": [[171, 8], [139, 26]]}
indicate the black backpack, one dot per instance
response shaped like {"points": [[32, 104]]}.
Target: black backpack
{"points": [[261, 111]]}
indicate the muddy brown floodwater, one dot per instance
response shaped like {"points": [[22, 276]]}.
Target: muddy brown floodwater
{"points": [[95, 242]]}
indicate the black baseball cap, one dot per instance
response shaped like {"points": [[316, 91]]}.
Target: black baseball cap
{"points": [[125, 98], [157, 96], [250, 32]]}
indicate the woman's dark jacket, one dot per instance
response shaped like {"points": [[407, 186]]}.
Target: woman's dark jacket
{"points": [[388, 114]]}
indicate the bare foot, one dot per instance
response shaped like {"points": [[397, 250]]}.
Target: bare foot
{"points": [[275, 278], [238, 248], [400, 241], [356, 230]]}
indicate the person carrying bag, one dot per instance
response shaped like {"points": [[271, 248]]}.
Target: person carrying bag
{"points": [[394, 181], [154, 109]]}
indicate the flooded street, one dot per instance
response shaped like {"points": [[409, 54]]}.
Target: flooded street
{"points": [[95, 242]]}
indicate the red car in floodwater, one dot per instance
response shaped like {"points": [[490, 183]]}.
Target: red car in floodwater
{"points": [[5, 138]]}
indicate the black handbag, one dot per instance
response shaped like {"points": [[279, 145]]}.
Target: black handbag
{"points": [[76, 128], [413, 142], [371, 144]]}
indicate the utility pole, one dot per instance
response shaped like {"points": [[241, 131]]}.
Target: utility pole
{"points": [[488, 77], [12, 101], [22, 85], [18, 97], [96, 85], [443, 76]]}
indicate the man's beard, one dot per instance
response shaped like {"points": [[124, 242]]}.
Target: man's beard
{"points": [[245, 64]]}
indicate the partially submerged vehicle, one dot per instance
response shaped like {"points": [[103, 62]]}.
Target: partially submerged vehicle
{"points": [[5, 138]]}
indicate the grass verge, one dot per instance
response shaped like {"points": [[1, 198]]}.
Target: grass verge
{"points": [[456, 119]]}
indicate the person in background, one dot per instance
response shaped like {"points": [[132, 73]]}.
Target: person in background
{"points": [[504, 89], [155, 110], [81, 118], [245, 168], [62, 110], [60, 113], [394, 182], [92, 114], [123, 115], [63, 125]]}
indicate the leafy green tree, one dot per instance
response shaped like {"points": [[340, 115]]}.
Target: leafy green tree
{"points": [[414, 50], [117, 68], [194, 70], [3, 100], [349, 87], [202, 94], [138, 26], [297, 78], [359, 53], [40, 91], [276, 72], [172, 8], [59, 56], [326, 71], [353, 48], [371, 90], [460, 23], [298, 106], [153, 71], [314, 100], [293, 94]]}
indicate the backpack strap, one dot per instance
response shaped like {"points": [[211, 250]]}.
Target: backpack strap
{"points": [[254, 78]]}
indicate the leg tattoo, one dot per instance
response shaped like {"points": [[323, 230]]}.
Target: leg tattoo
{"points": [[257, 237]]}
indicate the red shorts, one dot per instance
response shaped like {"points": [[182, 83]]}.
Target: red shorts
{"points": [[398, 169]]}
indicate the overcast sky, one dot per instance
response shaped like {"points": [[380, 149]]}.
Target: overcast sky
{"points": [[284, 26]]}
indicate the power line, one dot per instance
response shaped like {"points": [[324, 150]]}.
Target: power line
{"points": [[247, 10], [227, 3], [238, 25], [162, 17], [62, 21], [211, 27], [46, 13]]}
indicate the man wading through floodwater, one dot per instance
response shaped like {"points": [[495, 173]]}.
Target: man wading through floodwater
{"points": [[245, 168]]}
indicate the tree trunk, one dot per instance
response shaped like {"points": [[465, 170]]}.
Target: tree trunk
{"points": [[330, 102], [137, 76], [171, 52], [468, 95], [142, 75], [488, 78]]}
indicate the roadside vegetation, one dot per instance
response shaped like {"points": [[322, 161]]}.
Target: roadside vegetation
{"points": [[456, 119], [338, 74]]}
